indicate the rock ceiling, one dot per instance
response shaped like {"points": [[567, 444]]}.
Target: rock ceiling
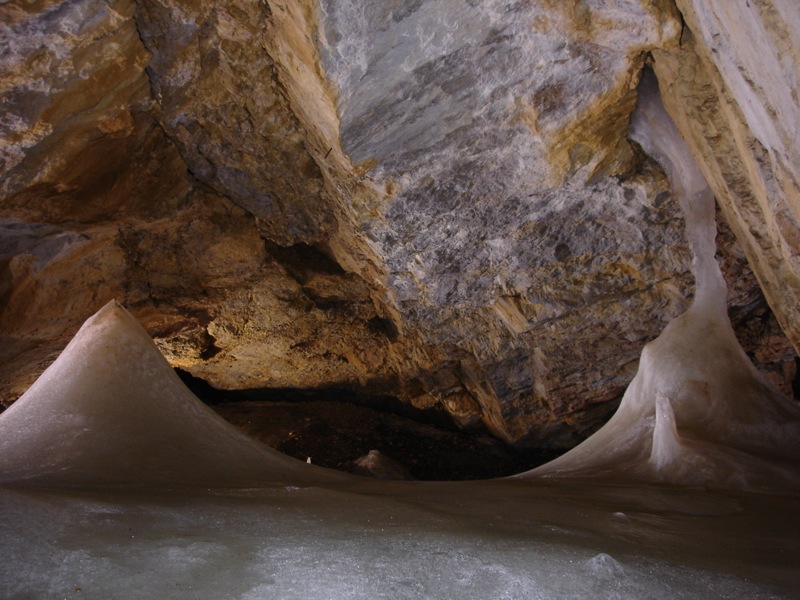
{"points": [[422, 199]]}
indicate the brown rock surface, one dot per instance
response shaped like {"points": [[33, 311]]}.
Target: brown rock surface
{"points": [[309, 196], [223, 106]]}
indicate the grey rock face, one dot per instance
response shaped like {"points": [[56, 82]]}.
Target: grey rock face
{"points": [[511, 226]]}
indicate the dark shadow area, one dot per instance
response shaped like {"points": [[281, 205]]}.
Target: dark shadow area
{"points": [[301, 261], [334, 428], [374, 397]]}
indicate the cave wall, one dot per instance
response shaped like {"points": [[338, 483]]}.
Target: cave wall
{"points": [[389, 198], [732, 87]]}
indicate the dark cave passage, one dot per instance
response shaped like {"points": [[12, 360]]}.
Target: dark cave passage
{"points": [[335, 428]]}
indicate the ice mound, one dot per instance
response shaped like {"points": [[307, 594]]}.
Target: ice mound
{"points": [[378, 465], [697, 412], [110, 410]]}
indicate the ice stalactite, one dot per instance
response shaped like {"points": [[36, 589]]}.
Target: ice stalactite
{"points": [[110, 410], [697, 412]]}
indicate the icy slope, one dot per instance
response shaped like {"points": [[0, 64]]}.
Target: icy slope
{"points": [[110, 410], [697, 412]]}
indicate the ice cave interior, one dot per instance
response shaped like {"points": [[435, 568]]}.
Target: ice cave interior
{"points": [[117, 481]]}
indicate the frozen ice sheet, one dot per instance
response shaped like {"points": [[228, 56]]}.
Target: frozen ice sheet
{"points": [[399, 540]]}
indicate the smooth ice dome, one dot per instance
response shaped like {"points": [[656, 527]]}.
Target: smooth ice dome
{"points": [[697, 412], [110, 410]]}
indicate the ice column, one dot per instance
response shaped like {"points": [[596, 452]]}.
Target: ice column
{"points": [[697, 412]]}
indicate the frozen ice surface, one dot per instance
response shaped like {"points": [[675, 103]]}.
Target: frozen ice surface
{"points": [[697, 412], [398, 540]]}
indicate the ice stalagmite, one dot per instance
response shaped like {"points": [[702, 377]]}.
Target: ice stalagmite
{"points": [[697, 412], [110, 410]]}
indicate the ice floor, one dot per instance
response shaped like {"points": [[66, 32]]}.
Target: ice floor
{"points": [[481, 540]]}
